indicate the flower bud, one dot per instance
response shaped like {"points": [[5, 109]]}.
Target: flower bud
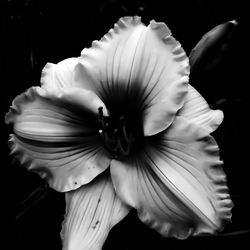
{"points": [[210, 44]]}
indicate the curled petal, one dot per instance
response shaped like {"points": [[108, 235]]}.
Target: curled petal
{"points": [[91, 211], [60, 75], [56, 135], [136, 64], [178, 185], [196, 110]]}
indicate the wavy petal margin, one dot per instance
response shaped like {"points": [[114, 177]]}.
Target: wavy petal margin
{"points": [[177, 185], [60, 75], [91, 212], [139, 64], [56, 135]]}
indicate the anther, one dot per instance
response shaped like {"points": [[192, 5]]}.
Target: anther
{"points": [[101, 118], [100, 109]]}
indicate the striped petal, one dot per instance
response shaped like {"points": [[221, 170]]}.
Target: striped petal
{"points": [[196, 110], [56, 135], [91, 211], [177, 185], [144, 67]]}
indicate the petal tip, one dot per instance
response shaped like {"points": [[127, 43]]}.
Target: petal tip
{"points": [[220, 117], [234, 21], [56, 76], [16, 107], [161, 28], [47, 70], [128, 20]]}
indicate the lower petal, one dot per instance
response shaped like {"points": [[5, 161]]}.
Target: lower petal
{"points": [[177, 184], [91, 211], [196, 110]]}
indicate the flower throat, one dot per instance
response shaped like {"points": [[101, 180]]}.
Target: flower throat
{"points": [[114, 131]]}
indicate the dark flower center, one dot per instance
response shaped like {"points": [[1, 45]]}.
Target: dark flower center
{"points": [[118, 135]]}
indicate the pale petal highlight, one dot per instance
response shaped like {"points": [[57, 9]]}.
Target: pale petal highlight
{"points": [[197, 110], [60, 75], [91, 211]]}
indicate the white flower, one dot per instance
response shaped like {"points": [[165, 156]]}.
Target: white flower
{"points": [[124, 106]]}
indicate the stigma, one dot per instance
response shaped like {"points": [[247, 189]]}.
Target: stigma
{"points": [[115, 134]]}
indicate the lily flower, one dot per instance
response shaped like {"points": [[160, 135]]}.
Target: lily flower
{"points": [[118, 128]]}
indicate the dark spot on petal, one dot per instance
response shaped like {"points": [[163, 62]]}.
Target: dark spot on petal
{"points": [[96, 223]]}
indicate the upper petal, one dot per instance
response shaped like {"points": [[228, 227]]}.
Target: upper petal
{"points": [[91, 211], [196, 110], [56, 135], [139, 64], [177, 185]]}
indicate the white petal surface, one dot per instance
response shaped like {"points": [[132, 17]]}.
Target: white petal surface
{"points": [[177, 184], [136, 64], [60, 75], [91, 211], [196, 110], [56, 135]]}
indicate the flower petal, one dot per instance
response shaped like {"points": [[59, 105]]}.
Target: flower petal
{"points": [[196, 110], [60, 75], [91, 211], [56, 135], [177, 185], [139, 64]]}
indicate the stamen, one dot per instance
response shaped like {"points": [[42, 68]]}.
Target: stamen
{"points": [[115, 135], [100, 116], [100, 113]]}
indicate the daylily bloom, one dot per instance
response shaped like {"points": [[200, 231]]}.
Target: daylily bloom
{"points": [[119, 128]]}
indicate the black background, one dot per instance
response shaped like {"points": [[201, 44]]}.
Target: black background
{"points": [[36, 32]]}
